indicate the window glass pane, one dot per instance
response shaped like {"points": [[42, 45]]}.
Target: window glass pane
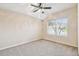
{"points": [[58, 27]]}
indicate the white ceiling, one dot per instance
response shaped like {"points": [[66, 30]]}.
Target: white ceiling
{"points": [[25, 8]]}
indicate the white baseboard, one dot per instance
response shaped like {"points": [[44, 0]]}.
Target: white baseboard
{"points": [[14, 45]]}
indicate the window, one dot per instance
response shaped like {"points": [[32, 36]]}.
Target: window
{"points": [[58, 27]]}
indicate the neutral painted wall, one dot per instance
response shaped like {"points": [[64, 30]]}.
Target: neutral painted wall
{"points": [[71, 39], [16, 29]]}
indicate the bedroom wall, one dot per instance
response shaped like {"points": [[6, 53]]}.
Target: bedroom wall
{"points": [[71, 39], [16, 29]]}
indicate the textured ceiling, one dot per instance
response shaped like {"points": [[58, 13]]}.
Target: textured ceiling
{"points": [[25, 8]]}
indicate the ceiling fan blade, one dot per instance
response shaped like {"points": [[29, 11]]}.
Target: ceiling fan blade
{"points": [[33, 5], [35, 10], [36, 6], [46, 7]]}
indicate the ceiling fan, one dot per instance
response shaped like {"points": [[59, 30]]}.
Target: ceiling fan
{"points": [[40, 6]]}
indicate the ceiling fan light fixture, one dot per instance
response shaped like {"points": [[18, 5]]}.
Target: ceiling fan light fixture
{"points": [[40, 6]]}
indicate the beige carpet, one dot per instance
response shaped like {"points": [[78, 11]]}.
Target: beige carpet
{"points": [[40, 48]]}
